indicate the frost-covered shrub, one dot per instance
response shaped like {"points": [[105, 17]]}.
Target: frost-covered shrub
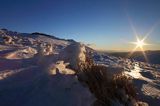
{"points": [[108, 88]]}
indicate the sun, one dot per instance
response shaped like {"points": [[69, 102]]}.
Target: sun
{"points": [[140, 43]]}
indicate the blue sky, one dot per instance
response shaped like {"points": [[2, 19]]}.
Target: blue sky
{"points": [[102, 23]]}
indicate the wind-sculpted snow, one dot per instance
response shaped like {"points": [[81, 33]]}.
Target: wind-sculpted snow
{"points": [[146, 77], [74, 54], [35, 70], [27, 52]]}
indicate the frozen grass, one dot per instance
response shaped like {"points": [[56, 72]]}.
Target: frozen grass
{"points": [[108, 88]]}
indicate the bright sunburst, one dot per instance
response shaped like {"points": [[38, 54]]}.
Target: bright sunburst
{"points": [[140, 43]]}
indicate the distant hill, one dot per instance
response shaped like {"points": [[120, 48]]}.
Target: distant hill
{"points": [[153, 56]]}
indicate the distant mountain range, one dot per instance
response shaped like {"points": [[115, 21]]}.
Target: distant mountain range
{"points": [[152, 56]]}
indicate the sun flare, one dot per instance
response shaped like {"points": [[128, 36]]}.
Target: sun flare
{"points": [[139, 43]]}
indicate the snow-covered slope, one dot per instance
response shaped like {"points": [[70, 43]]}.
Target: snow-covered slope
{"points": [[146, 77], [33, 71], [39, 69]]}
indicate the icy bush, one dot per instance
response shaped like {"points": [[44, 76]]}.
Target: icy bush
{"points": [[108, 88]]}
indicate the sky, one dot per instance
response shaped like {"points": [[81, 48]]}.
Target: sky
{"points": [[102, 24]]}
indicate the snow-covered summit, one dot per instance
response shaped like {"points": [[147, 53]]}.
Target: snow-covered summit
{"points": [[40, 69], [34, 71]]}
